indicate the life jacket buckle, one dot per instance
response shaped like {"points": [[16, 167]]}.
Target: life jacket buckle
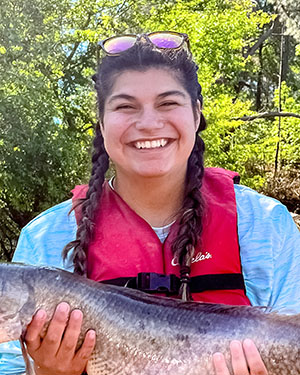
{"points": [[152, 282]]}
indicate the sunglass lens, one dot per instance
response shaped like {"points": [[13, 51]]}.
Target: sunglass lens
{"points": [[166, 40], [119, 44]]}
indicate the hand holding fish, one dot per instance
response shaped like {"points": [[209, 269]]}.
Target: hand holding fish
{"points": [[54, 351], [54, 355], [63, 351], [245, 359]]}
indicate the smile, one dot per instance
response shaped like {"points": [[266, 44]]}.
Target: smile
{"points": [[150, 144]]}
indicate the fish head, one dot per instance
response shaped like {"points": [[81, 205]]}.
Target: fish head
{"points": [[14, 299]]}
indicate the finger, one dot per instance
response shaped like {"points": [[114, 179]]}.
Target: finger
{"points": [[70, 339], [238, 360], [220, 364], [34, 331], [84, 353], [52, 339], [254, 359]]}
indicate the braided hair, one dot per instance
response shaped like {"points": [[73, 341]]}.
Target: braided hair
{"points": [[141, 57], [100, 164], [190, 218]]}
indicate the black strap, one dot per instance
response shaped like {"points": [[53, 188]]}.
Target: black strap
{"points": [[152, 282], [149, 282], [225, 281], [236, 180]]}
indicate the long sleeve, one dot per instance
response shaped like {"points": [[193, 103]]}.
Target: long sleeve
{"points": [[270, 251], [40, 243]]}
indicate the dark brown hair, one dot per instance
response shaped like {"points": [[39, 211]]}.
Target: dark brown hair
{"points": [[141, 57]]}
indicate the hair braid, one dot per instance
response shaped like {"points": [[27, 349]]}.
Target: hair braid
{"points": [[100, 164], [190, 223]]}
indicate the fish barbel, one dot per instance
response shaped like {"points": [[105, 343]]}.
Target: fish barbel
{"points": [[141, 334]]}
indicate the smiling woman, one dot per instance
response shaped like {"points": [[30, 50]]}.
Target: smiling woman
{"points": [[149, 130], [149, 127], [164, 223]]}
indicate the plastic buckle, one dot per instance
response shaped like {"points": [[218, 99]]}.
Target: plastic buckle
{"points": [[151, 282]]}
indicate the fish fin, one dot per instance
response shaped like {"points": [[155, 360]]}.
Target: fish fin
{"points": [[28, 363]]}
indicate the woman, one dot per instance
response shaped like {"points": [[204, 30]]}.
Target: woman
{"points": [[162, 213]]}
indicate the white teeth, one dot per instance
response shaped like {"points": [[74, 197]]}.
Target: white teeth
{"points": [[151, 144]]}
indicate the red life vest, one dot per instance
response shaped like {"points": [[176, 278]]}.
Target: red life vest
{"points": [[124, 244]]}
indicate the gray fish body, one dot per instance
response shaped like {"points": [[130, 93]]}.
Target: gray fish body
{"points": [[142, 334]]}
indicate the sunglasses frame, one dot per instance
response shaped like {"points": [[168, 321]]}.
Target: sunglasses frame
{"points": [[146, 36]]}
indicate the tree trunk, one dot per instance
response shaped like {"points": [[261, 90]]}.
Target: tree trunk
{"points": [[279, 101], [259, 81]]}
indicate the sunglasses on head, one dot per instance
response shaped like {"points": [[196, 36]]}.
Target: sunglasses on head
{"points": [[164, 40]]}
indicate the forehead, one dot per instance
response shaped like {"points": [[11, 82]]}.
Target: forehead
{"points": [[153, 80]]}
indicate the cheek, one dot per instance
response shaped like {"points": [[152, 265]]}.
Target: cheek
{"points": [[114, 133], [112, 129], [110, 141], [186, 125]]}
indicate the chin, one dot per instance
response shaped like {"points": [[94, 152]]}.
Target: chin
{"points": [[155, 173]]}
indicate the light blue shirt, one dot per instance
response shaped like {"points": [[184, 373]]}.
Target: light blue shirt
{"points": [[269, 249]]}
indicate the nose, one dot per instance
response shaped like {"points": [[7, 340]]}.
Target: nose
{"points": [[149, 119]]}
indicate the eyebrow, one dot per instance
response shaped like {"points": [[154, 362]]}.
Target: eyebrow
{"points": [[162, 95], [172, 92], [121, 96]]}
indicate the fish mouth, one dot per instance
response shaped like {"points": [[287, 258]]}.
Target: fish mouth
{"points": [[147, 144]]}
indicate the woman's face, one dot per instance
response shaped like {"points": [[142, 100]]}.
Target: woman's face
{"points": [[149, 124]]}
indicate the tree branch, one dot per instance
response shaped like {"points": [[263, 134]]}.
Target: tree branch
{"points": [[262, 38], [7, 254], [267, 115], [76, 44]]}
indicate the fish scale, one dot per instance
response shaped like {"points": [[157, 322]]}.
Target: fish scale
{"points": [[141, 334]]}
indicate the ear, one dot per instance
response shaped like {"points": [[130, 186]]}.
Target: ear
{"points": [[197, 115], [101, 126]]}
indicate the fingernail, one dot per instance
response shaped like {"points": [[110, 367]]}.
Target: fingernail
{"points": [[248, 343], [63, 307], [218, 357], [91, 334], [76, 314], [41, 314], [235, 344]]}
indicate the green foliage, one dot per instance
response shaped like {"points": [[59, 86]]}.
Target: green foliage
{"points": [[290, 15], [246, 147], [219, 30], [290, 129], [44, 145]]}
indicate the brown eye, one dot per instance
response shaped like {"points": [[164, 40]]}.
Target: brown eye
{"points": [[168, 104], [124, 106]]}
